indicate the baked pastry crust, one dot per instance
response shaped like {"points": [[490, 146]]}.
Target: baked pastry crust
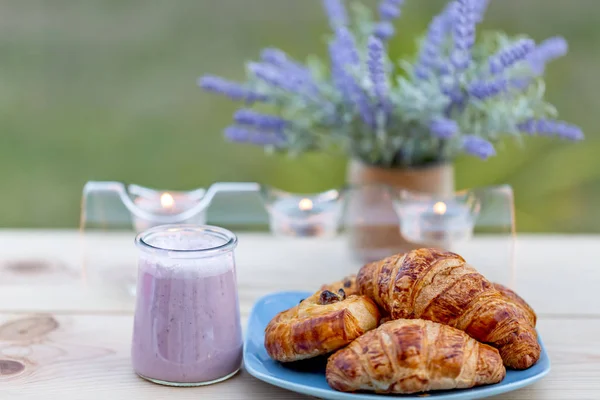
{"points": [[441, 287], [320, 324], [348, 284], [408, 356], [517, 300]]}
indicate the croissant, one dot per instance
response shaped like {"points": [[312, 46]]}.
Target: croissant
{"points": [[408, 356], [348, 284], [518, 301], [441, 287], [320, 324]]}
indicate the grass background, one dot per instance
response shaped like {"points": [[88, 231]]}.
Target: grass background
{"points": [[105, 90]]}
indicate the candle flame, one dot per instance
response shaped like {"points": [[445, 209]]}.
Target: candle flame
{"points": [[305, 204], [166, 200], [439, 208]]}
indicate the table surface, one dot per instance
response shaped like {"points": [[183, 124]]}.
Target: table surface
{"points": [[66, 313]]}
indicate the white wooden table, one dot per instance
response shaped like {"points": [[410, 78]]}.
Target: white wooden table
{"points": [[66, 315]]}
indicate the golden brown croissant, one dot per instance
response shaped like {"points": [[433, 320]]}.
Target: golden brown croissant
{"points": [[320, 324], [518, 301], [413, 355], [348, 284], [441, 287]]}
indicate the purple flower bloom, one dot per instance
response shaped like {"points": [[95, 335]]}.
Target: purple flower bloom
{"points": [[547, 51], [233, 90], [430, 57], [443, 128], [486, 89], [244, 135], [390, 9], [421, 72], [343, 58], [347, 46], [246, 116], [274, 77], [384, 30], [453, 91], [463, 33], [510, 55], [376, 64], [290, 69], [480, 8], [279, 59], [343, 54], [448, 16], [336, 12], [549, 127], [478, 147]]}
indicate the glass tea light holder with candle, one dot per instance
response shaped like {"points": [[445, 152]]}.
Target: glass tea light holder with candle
{"points": [[165, 203], [437, 221], [187, 328], [451, 222], [303, 215]]}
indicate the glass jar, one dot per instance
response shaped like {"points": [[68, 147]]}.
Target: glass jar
{"points": [[187, 328]]}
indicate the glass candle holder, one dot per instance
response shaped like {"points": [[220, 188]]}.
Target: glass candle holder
{"points": [[303, 215], [187, 322], [437, 222], [165, 204]]}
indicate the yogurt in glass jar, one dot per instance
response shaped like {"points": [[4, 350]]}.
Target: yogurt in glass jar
{"points": [[187, 328]]}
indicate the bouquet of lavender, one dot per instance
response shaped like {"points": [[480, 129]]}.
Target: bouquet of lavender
{"points": [[457, 95]]}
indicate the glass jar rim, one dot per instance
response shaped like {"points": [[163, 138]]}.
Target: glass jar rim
{"points": [[229, 238]]}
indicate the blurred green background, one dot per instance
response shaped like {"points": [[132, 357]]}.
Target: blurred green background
{"points": [[105, 90]]}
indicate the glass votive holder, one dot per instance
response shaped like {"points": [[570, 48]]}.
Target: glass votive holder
{"points": [[187, 328], [162, 207], [303, 215], [437, 222]]}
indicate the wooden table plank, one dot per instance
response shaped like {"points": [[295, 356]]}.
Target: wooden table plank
{"points": [[87, 357], [44, 270]]}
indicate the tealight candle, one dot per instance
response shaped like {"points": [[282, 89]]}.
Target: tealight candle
{"points": [[165, 204], [438, 223], [304, 216]]}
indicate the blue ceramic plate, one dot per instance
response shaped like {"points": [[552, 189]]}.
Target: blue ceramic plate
{"points": [[308, 377]]}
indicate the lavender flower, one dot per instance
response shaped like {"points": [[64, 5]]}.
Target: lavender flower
{"points": [[344, 57], [233, 90], [343, 54], [480, 8], [548, 127], [338, 73], [274, 77], [478, 147], [485, 89], [262, 121], [463, 33], [448, 16], [261, 138], [336, 12], [510, 55], [420, 72], [430, 54], [390, 9], [443, 128], [376, 64], [279, 59], [384, 30], [547, 51], [347, 46]]}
